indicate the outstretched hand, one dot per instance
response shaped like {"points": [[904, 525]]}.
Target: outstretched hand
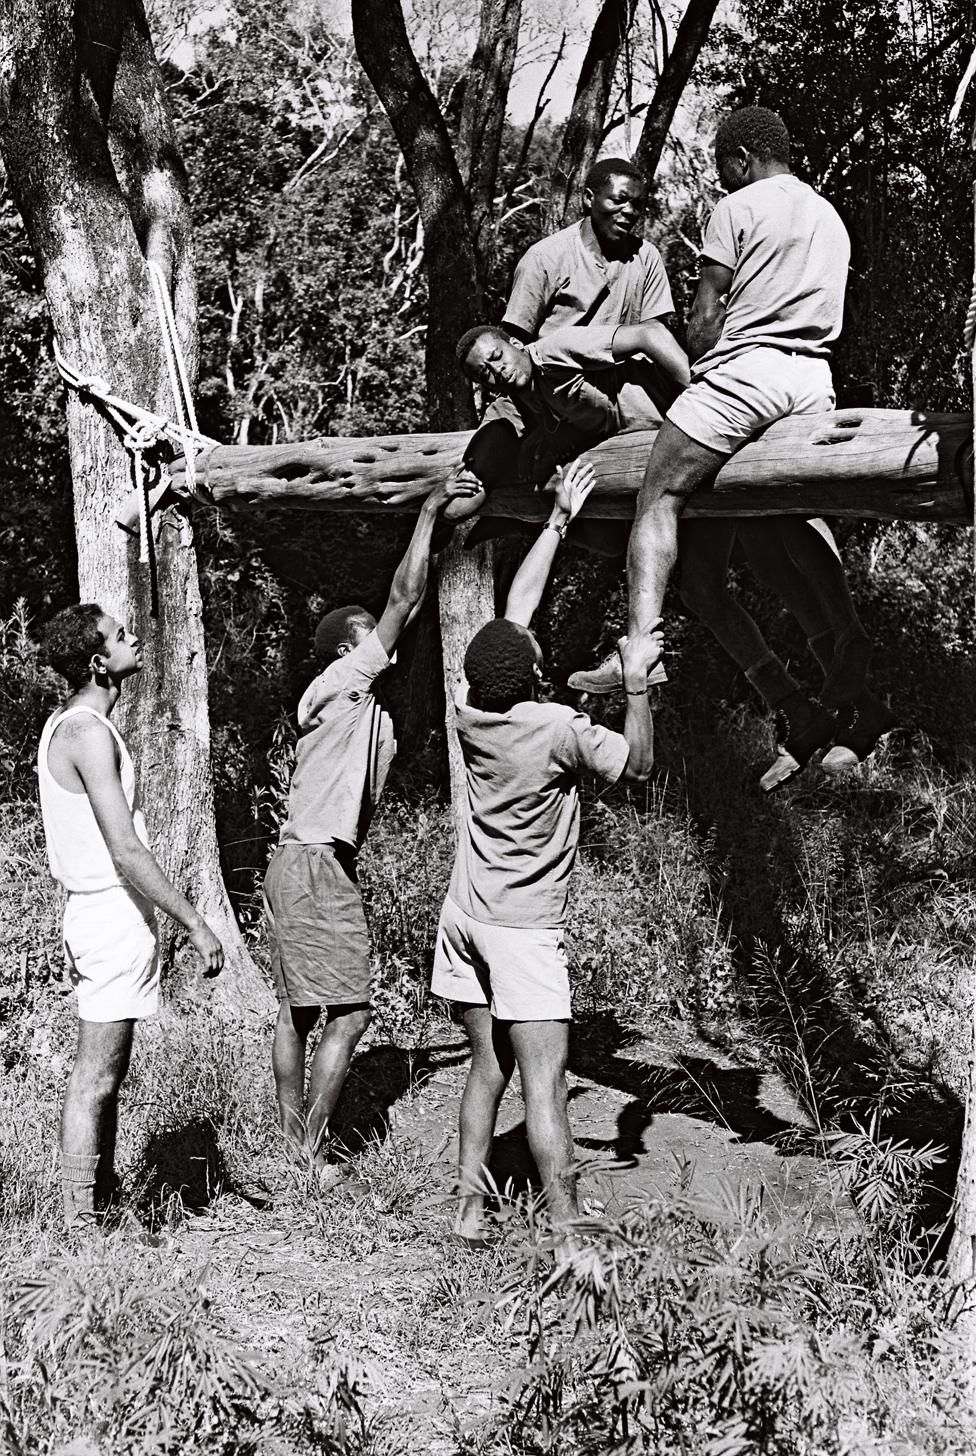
{"points": [[459, 496], [573, 485]]}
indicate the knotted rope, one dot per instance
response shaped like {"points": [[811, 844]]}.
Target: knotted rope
{"points": [[143, 430]]}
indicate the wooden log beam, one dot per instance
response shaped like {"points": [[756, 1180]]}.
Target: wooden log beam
{"points": [[882, 464]]}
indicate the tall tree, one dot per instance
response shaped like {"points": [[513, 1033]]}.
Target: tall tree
{"points": [[96, 174]]}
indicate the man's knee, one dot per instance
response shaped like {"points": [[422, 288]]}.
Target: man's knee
{"points": [[349, 1022]]}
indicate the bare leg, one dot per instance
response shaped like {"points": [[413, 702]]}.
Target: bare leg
{"points": [[541, 1049], [677, 465], [89, 1114], [288, 1064], [492, 1063], [330, 1066]]}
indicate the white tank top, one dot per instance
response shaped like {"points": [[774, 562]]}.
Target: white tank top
{"points": [[76, 849]]}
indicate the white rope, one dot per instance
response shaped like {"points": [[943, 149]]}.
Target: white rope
{"points": [[143, 429]]}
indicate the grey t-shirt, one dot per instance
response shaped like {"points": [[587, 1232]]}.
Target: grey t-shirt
{"points": [[789, 253], [344, 753], [576, 379], [518, 842], [564, 280]]}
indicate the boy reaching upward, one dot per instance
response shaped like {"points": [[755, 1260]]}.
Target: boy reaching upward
{"points": [[500, 954], [319, 941]]}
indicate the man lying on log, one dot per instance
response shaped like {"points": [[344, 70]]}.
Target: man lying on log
{"points": [[769, 305], [500, 955]]}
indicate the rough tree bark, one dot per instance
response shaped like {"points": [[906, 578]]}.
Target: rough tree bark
{"points": [[584, 128], [483, 119], [674, 77], [96, 174]]}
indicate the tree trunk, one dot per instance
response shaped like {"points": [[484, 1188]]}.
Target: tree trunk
{"points": [[677, 69], [581, 139], [888, 464], [453, 282], [483, 119], [466, 599], [454, 269], [95, 204]]}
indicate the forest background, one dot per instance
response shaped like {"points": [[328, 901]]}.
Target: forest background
{"points": [[828, 932]]}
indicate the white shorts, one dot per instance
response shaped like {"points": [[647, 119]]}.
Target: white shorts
{"points": [[732, 402], [521, 973], [112, 954]]}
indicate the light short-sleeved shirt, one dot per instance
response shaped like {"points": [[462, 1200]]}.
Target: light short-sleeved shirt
{"points": [[789, 253], [565, 280], [344, 752], [576, 380], [518, 842]]}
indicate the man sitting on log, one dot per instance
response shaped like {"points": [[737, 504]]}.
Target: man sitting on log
{"points": [[319, 941], [769, 305], [500, 954]]}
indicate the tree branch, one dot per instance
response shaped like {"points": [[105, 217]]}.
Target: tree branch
{"points": [[483, 118], [581, 139], [675, 72]]}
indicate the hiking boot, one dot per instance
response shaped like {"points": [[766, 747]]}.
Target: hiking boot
{"points": [[861, 726], [806, 727], [609, 677]]}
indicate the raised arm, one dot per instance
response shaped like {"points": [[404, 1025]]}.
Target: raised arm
{"points": [[525, 593], [93, 753], [658, 343], [708, 309], [410, 579]]}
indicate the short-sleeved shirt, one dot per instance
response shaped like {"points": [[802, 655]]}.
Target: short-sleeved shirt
{"points": [[518, 842], [789, 253], [344, 752], [565, 280], [577, 381]]}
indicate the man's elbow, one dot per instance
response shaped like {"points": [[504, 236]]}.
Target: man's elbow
{"points": [[639, 772], [127, 852]]}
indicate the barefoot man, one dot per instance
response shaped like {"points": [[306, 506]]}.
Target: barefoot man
{"points": [[98, 850], [319, 940], [500, 954], [769, 305]]}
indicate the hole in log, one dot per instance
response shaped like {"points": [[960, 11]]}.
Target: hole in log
{"points": [[297, 471], [849, 422], [364, 460], [430, 450], [390, 449]]}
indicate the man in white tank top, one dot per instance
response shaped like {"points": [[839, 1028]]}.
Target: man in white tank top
{"points": [[98, 850]]}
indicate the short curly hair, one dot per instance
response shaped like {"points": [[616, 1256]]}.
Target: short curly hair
{"points": [[600, 173], [468, 340], [500, 666], [334, 629], [71, 640], [761, 131]]}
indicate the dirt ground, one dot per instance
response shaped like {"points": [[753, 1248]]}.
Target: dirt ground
{"points": [[369, 1268]]}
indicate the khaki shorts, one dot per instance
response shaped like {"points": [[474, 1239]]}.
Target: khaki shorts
{"points": [[112, 955], [317, 927], [732, 402], [521, 973]]}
